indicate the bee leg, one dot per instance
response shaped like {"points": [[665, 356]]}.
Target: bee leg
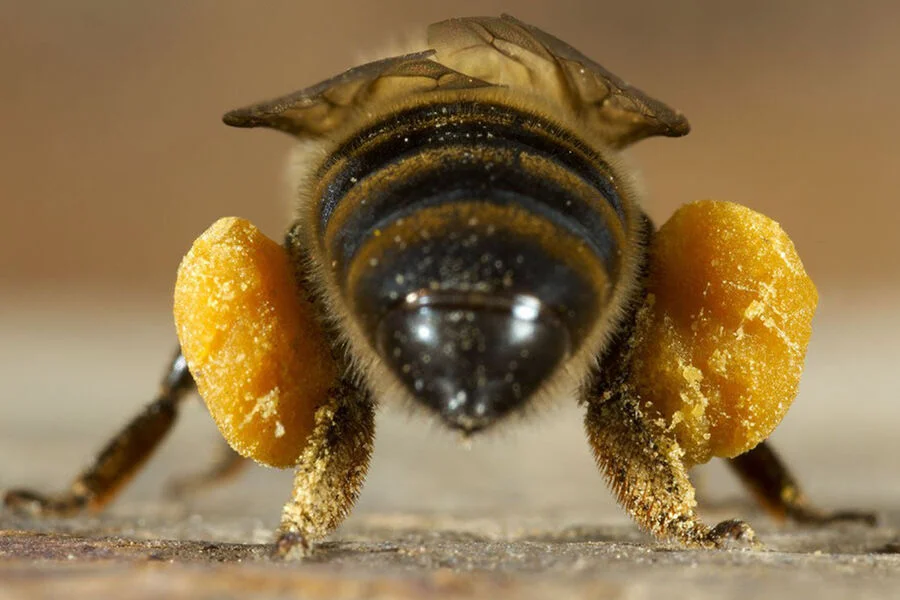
{"points": [[119, 460], [642, 463], [330, 471], [227, 465], [779, 493]]}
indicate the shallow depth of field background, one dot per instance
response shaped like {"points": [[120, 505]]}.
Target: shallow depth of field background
{"points": [[113, 159]]}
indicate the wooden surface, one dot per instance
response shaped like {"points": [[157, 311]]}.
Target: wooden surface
{"points": [[414, 556]]}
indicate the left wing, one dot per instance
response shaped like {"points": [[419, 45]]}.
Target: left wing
{"points": [[318, 109]]}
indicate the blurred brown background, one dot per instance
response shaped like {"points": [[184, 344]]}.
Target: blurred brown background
{"points": [[113, 158]]}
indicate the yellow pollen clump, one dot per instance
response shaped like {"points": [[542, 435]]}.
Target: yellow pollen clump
{"points": [[721, 339], [252, 342]]}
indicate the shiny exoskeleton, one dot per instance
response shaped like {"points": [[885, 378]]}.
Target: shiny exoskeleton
{"points": [[474, 244], [477, 246]]}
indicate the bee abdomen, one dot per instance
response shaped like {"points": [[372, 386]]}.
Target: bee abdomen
{"points": [[473, 212], [443, 160]]}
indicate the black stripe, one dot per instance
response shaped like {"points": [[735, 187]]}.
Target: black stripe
{"points": [[406, 133], [502, 184]]}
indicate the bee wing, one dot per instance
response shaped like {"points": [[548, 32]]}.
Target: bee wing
{"points": [[324, 106], [505, 51]]}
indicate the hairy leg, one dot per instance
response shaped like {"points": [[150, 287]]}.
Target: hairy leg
{"points": [[118, 462], [773, 484], [330, 471], [642, 463]]}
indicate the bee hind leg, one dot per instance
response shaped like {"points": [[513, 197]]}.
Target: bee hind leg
{"points": [[642, 463], [330, 472], [118, 462], [763, 472]]}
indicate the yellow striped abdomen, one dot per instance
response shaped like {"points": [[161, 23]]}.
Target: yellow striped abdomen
{"points": [[478, 246]]}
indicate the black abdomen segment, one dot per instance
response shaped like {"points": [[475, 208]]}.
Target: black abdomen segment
{"points": [[443, 152], [476, 244]]}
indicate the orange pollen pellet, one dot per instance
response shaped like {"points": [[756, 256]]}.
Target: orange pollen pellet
{"points": [[721, 339], [252, 341]]}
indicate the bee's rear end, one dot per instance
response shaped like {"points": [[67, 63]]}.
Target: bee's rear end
{"points": [[478, 249]]}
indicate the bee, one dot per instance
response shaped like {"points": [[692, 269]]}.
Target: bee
{"points": [[472, 243]]}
